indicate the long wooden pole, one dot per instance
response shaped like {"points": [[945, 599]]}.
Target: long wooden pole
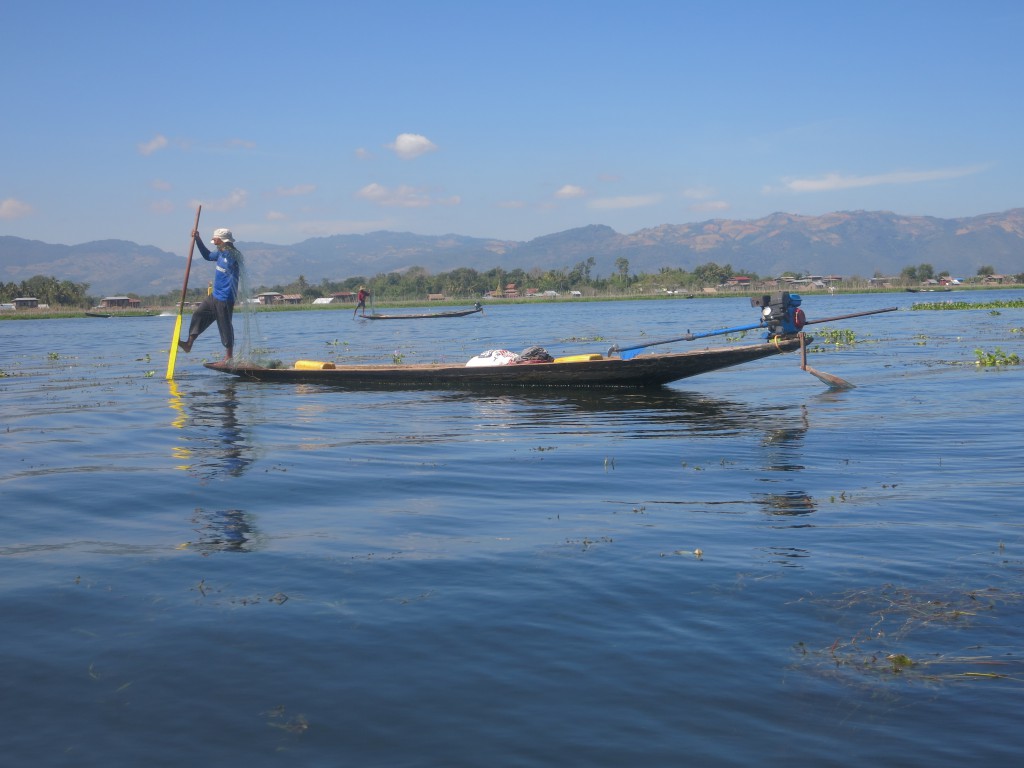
{"points": [[630, 351], [173, 356], [854, 314]]}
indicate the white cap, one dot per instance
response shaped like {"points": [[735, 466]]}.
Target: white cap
{"points": [[224, 235]]}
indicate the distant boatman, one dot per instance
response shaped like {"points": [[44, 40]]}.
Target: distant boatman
{"points": [[361, 300], [219, 305]]}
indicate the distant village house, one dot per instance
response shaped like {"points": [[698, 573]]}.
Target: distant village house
{"points": [[738, 281], [120, 302]]}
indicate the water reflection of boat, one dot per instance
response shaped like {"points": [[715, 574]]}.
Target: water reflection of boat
{"points": [[788, 504], [787, 557], [227, 530], [602, 400], [550, 406], [784, 453], [647, 370], [785, 444]]}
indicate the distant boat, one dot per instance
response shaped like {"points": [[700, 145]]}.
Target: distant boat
{"points": [[426, 315], [121, 313]]}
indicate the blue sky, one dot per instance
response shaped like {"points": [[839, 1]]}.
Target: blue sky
{"points": [[498, 119]]}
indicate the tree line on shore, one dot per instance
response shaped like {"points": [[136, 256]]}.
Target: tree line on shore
{"points": [[416, 283]]}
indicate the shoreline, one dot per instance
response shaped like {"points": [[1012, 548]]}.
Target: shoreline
{"points": [[172, 310]]}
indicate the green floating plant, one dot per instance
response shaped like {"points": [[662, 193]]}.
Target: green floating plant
{"points": [[837, 336], [995, 358]]}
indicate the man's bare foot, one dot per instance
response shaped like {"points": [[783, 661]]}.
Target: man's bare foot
{"points": [[185, 346]]}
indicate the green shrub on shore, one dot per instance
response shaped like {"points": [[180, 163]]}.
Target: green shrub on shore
{"points": [[1003, 304]]}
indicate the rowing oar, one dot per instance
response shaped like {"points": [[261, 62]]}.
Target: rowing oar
{"points": [[173, 356], [833, 382]]}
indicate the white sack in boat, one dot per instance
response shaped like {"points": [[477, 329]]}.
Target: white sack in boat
{"points": [[493, 357]]}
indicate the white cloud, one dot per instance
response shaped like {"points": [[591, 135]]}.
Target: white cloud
{"points": [[698, 193], [155, 144], [237, 199], [363, 153], [833, 181], [410, 145], [14, 209], [376, 193], [161, 206], [403, 196], [275, 216], [704, 202], [297, 190], [710, 206], [160, 184], [569, 191], [625, 201]]}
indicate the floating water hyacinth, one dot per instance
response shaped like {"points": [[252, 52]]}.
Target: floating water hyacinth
{"points": [[995, 358]]}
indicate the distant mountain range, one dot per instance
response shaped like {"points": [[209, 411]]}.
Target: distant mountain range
{"points": [[855, 243]]}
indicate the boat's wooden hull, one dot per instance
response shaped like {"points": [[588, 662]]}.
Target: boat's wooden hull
{"points": [[122, 313], [641, 371]]}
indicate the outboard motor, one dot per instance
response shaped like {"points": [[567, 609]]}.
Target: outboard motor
{"points": [[781, 313]]}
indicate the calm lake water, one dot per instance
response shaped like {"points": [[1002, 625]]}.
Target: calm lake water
{"points": [[210, 572]]}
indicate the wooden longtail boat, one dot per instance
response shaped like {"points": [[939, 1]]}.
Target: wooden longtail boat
{"points": [[625, 366], [425, 315], [645, 370], [121, 313]]}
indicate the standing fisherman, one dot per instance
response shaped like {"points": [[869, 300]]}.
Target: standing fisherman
{"points": [[361, 300], [219, 305]]}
